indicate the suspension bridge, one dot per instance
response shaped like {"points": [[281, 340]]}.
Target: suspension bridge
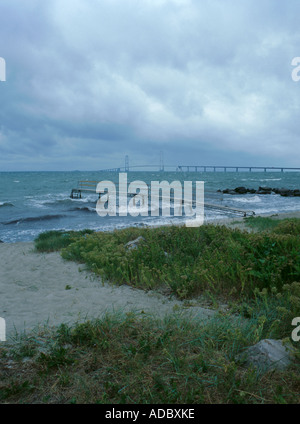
{"points": [[197, 168]]}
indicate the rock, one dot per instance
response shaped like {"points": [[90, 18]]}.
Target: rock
{"points": [[240, 190], [264, 190], [268, 353], [1, 241], [285, 192], [133, 244], [228, 191]]}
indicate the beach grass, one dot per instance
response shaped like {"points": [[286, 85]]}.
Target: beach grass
{"points": [[54, 240], [280, 226], [261, 223], [190, 261], [136, 358]]}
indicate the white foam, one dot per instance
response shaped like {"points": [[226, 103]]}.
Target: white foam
{"points": [[271, 179], [254, 199]]}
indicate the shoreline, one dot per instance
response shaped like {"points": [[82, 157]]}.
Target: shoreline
{"points": [[43, 288], [217, 221], [280, 215]]}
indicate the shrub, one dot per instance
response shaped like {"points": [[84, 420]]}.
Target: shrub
{"points": [[189, 261], [54, 240]]}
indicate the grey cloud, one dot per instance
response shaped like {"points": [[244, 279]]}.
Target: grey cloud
{"points": [[202, 79]]}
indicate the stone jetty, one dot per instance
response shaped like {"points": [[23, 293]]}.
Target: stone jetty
{"points": [[263, 190]]}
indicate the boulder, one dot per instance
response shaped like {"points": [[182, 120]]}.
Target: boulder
{"points": [[297, 193], [240, 190], [264, 190], [285, 192], [133, 244], [229, 191], [268, 354]]}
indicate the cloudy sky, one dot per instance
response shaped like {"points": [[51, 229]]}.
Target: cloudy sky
{"points": [[207, 82]]}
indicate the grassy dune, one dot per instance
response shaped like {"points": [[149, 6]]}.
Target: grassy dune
{"points": [[133, 358]]}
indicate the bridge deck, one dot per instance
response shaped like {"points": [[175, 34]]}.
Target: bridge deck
{"points": [[200, 168], [215, 168]]}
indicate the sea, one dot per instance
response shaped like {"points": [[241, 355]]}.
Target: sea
{"points": [[35, 202]]}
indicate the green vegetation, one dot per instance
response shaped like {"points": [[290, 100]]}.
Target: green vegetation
{"points": [[285, 226], [134, 358], [52, 241], [260, 223], [191, 261]]}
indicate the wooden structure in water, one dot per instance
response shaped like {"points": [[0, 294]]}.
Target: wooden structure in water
{"points": [[83, 187], [90, 187]]}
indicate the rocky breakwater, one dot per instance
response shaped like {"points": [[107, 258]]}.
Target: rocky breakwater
{"points": [[263, 190]]}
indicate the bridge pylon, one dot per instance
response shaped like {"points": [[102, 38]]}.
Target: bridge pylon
{"points": [[161, 162], [126, 163]]}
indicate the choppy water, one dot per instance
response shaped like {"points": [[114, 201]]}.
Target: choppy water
{"points": [[33, 202]]}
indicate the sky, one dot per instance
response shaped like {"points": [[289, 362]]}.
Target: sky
{"points": [[205, 82]]}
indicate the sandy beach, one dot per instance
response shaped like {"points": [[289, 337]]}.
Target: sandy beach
{"points": [[42, 288]]}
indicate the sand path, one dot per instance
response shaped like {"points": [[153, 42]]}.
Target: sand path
{"points": [[33, 291]]}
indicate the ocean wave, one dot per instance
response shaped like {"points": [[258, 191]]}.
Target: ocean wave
{"points": [[55, 202], [46, 203], [261, 179], [70, 200], [275, 210], [271, 179], [83, 209], [254, 199], [6, 204], [161, 221], [33, 219]]}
